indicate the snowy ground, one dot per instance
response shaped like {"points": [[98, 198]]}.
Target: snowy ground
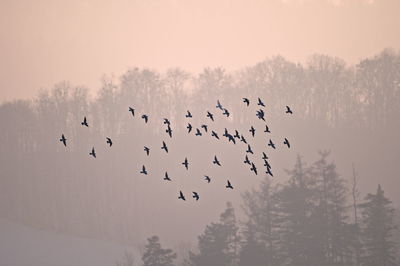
{"points": [[24, 246]]}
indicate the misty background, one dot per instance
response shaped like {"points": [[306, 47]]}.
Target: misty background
{"points": [[58, 205]]}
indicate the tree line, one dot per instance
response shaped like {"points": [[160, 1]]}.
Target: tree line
{"points": [[312, 219]]}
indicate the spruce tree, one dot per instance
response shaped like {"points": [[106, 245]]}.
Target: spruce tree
{"points": [[155, 255], [378, 229]]}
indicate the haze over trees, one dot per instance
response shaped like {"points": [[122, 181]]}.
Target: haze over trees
{"points": [[304, 216]]}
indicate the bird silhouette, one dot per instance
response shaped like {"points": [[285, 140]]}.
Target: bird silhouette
{"points": [[219, 106], [242, 139], [84, 123], [169, 131], [271, 144], [186, 164], [195, 195], [266, 163], [166, 177], [143, 171], [167, 122], [288, 110], [267, 129], [205, 127], [147, 150], [226, 133], [286, 142], [237, 135], [189, 127], [207, 178], [93, 153], [231, 138], [253, 168], [229, 185], [260, 103], [214, 134], [132, 111], [198, 133], [109, 142], [188, 115], [181, 196], [63, 140], [226, 112], [246, 101], [265, 157], [260, 114], [269, 172], [253, 131], [246, 160], [146, 118], [216, 161], [164, 147], [210, 115], [249, 150]]}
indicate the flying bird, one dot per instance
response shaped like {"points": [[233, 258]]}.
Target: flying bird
{"points": [[226, 112], [237, 135], [242, 139], [266, 163], [210, 115], [205, 127], [166, 121], [260, 114], [219, 106], [181, 196], [246, 101], [207, 178], [286, 142], [260, 103], [229, 185], [166, 177], [271, 144], [214, 134], [109, 142], [195, 195], [146, 118], [253, 131], [265, 157], [84, 123], [231, 138], [132, 111], [288, 110], [169, 131], [93, 153], [269, 172], [216, 161], [143, 171], [188, 115], [226, 133], [253, 168], [249, 150], [186, 164], [198, 133], [189, 127], [147, 150], [63, 140], [267, 129], [246, 160], [164, 147]]}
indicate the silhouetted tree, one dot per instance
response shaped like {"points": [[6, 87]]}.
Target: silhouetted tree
{"points": [[378, 227], [155, 255]]}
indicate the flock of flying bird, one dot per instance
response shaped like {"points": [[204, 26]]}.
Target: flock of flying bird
{"points": [[260, 114]]}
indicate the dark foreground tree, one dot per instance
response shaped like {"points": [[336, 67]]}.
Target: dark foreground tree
{"points": [[219, 242], [155, 255], [378, 229]]}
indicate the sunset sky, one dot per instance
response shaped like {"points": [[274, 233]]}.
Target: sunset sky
{"points": [[47, 41]]}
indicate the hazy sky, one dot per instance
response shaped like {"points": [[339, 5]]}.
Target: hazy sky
{"points": [[43, 42]]}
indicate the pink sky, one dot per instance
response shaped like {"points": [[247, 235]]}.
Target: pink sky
{"points": [[46, 41]]}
